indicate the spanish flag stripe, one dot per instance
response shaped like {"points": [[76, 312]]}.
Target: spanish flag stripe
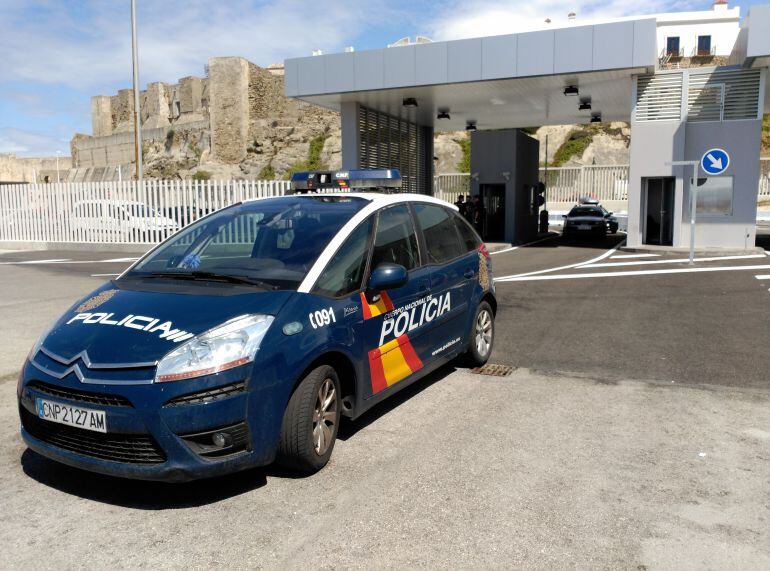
{"points": [[409, 353], [365, 306], [385, 298], [395, 366], [376, 371]]}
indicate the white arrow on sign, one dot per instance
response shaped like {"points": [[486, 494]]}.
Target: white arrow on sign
{"points": [[716, 164]]}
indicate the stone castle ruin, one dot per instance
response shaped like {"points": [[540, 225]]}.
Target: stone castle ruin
{"points": [[233, 123]]}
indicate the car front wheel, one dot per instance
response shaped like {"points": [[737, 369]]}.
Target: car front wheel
{"points": [[311, 421], [482, 335]]}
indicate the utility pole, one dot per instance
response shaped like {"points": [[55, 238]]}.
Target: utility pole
{"points": [[137, 109]]}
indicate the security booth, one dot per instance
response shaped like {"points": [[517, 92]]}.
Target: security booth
{"points": [[504, 177]]}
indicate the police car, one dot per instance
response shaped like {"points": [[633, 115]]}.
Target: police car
{"points": [[247, 335]]}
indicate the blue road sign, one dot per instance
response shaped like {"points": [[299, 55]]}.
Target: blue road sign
{"points": [[715, 161]]}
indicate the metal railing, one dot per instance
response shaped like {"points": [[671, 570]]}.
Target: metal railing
{"points": [[117, 212]]}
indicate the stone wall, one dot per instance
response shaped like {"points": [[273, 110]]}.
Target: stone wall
{"points": [[229, 108], [32, 169]]}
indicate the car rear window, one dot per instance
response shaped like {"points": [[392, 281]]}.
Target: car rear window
{"points": [[585, 211]]}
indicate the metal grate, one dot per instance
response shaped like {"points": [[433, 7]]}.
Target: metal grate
{"points": [[493, 370], [209, 395], [79, 396], [723, 95], [127, 448], [659, 97]]}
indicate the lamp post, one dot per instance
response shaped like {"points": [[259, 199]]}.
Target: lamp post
{"points": [[137, 110]]}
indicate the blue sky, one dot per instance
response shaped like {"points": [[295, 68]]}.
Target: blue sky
{"points": [[56, 54]]}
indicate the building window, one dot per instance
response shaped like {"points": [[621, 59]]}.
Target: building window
{"points": [[704, 46], [713, 195], [672, 46]]}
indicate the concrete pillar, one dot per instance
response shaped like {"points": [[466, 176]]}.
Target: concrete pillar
{"points": [[101, 115], [351, 135], [229, 108]]}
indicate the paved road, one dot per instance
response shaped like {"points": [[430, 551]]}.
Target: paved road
{"points": [[633, 434]]}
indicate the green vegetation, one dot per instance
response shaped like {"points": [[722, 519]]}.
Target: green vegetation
{"points": [[765, 136], [575, 145], [169, 139], [464, 165], [202, 175], [313, 161], [267, 172]]}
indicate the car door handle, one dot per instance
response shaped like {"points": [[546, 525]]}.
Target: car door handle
{"points": [[469, 274]]}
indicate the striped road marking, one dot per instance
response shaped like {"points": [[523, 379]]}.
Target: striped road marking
{"points": [[675, 261], [633, 273], [627, 256], [765, 277], [570, 266]]}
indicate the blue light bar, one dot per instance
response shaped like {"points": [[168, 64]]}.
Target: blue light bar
{"points": [[364, 179]]}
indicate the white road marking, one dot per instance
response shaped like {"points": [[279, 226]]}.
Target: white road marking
{"points": [[57, 261], [104, 275], [570, 266], [765, 277], [521, 245], [633, 273], [675, 261], [622, 256]]}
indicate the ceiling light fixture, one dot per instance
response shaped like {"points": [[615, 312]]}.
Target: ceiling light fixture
{"points": [[585, 105], [470, 126], [596, 118], [571, 90], [443, 114], [409, 102]]}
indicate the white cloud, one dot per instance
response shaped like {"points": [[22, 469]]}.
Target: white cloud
{"points": [[493, 17], [88, 46], [30, 143]]}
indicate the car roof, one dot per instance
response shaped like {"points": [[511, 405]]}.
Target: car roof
{"points": [[376, 199]]}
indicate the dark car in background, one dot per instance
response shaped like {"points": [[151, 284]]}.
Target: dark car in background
{"points": [[591, 220]]}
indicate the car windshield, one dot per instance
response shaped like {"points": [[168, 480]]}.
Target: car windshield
{"points": [[585, 211], [270, 243]]}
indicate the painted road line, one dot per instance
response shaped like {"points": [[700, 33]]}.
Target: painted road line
{"points": [[635, 273], [34, 262], [625, 256], [675, 261], [104, 275], [765, 277], [512, 248], [570, 266]]}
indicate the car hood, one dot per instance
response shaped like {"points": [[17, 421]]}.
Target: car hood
{"points": [[120, 325]]}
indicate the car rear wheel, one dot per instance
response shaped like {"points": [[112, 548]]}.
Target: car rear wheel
{"points": [[482, 336], [311, 421]]}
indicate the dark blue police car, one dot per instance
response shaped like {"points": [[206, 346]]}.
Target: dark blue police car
{"points": [[244, 337]]}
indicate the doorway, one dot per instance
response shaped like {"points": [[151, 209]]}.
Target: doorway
{"points": [[491, 222], [659, 221]]}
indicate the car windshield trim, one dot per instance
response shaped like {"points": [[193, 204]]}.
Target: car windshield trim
{"points": [[207, 276]]}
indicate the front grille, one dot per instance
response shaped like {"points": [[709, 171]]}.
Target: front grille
{"points": [[127, 448], [209, 395], [80, 396]]}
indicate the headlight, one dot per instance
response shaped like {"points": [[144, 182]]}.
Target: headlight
{"points": [[229, 345]]}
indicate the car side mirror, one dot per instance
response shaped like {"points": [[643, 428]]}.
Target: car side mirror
{"points": [[388, 276], [563, 215]]}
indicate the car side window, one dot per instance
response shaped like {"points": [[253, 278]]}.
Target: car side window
{"points": [[344, 274], [441, 237], [396, 241], [469, 238]]}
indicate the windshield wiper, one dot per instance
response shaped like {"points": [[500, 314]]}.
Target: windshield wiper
{"points": [[211, 276]]}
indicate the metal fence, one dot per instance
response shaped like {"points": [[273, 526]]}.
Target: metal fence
{"points": [[117, 212], [764, 178]]}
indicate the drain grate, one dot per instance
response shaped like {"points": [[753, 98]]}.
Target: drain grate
{"points": [[493, 370]]}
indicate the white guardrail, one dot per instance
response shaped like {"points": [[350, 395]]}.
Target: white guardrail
{"points": [[129, 213]]}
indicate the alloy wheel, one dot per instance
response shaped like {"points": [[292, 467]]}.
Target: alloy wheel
{"points": [[483, 333], [324, 416]]}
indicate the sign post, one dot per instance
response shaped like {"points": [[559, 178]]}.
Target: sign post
{"points": [[713, 162]]}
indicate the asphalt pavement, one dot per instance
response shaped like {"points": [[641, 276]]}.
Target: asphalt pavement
{"points": [[633, 433]]}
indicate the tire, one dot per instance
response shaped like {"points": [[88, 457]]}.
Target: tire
{"points": [[304, 446], [478, 354]]}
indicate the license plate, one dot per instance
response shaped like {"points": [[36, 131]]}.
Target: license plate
{"points": [[86, 418], [584, 227]]}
